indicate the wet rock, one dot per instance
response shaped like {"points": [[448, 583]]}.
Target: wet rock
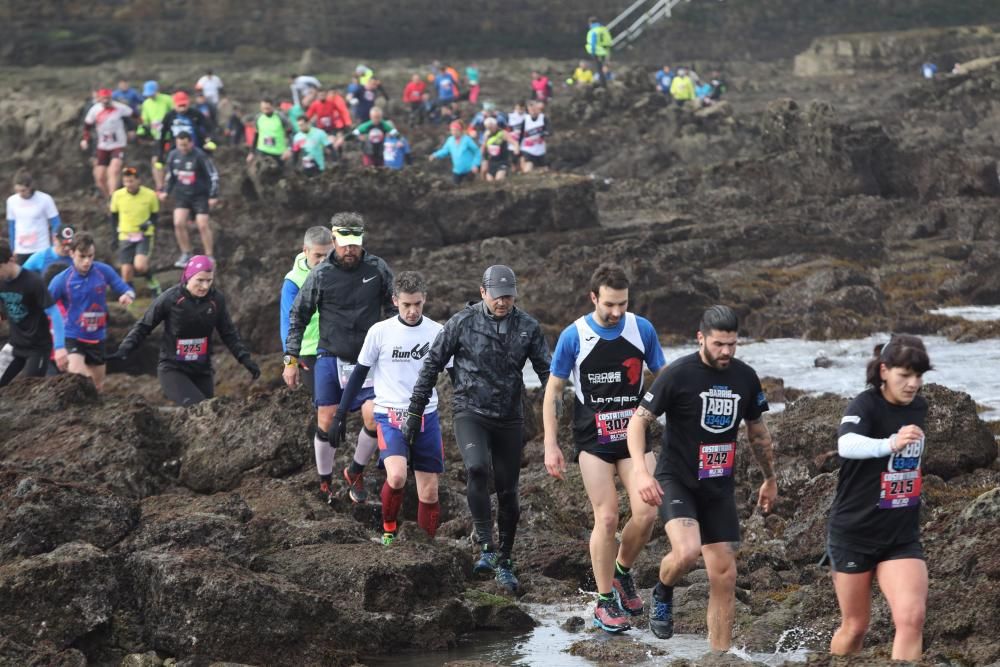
{"points": [[615, 651], [41, 514], [985, 508], [805, 536], [822, 362], [957, 439], [147, 659], [573, 624], [496, 612], [59, 596]]}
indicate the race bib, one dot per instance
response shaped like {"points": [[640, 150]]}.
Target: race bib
{"points": [[533, 141], [612, 426], [326, 121], [185, 177], [269, 141], [344, 370], [93, 321], [308, 162], [716, 460], [134, 237], [27, 240], [899, 489], [493, 150], [397, 418], [192, 349]]}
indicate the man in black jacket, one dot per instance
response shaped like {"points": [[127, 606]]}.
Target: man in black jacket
{"points": [[489, 342], [352, 290]]}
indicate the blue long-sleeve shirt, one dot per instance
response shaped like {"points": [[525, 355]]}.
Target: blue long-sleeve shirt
{"points": [[58, 327], [289, 291], [85, 299], [464, 154]]}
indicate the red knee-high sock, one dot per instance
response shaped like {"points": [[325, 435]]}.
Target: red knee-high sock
{"points": [[392, 500], [427, 517]]}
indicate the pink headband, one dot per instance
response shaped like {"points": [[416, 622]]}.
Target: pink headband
{"points": [[197, 264]]}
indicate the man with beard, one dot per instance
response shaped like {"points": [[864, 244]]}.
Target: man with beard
{"points": [[604, 353], [705, 396], [351, 290]]}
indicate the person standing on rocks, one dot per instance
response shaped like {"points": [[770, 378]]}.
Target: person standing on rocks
{"points": [[32, 217], [463, 151], [395, 349], [107, 119], [191, 312], [372, 134], [598, 46], [604, 353], [350, 291], [704, 396], [82, 289], [134, 209], [271, 135], [154, 109], [24, 304], [194, 183], [316, 245], [874, 526], [211, 85], [496, 150], [489, 342], [533, 131]]}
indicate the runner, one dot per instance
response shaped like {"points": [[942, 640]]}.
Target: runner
{"points": [[194, 183], [316, 245], [155, 108], [304, 88], [211, 85], [413, 95], [350, 291], [496, 150], [24, 304], [541, 87], [598, 46], [874, 527], [682, 88], [182, 118], [270, 137], [463, 151], [582, 75], [395, 349], [372, 133], [705, 396], [134, 211], [366, 99], [604, 352], [490, 342], [32, 217], [396, 151], [472, 77], [330, 114], [126, 94], [55, 253], [191, 312], [107, 118], [533, 131], [82, 289], [209, 112], [311, 145]]}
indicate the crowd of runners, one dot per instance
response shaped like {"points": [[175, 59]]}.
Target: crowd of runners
{"points": [[354, 336]]}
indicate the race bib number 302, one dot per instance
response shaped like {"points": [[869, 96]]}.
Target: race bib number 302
{"points": [[612, 426], [716, 460]]}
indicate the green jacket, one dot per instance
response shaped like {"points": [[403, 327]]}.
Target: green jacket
{"points": [[599, 40], [297, 276]]}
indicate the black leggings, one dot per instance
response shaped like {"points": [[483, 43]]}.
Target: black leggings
{"points": [[184, 389], [483, 441], [34, 365]]}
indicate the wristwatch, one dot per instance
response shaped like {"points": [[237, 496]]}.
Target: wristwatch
{"points": [[289, 360]]}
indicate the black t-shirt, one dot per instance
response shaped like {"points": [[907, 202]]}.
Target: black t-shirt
{"points": [[878, 500], [704, 407], [24, 302]]}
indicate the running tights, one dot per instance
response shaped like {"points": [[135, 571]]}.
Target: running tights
{"points": [[34, 366], [484, 441], [184, 389]]}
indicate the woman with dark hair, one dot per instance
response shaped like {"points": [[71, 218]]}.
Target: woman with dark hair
{"points": [[874, 526]]}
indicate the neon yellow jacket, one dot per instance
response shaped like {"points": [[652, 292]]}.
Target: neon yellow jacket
{"points": [[682, 88], [598, 40]]}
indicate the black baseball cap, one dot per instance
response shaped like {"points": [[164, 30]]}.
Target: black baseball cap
{"points": [[499, 281], [65, 234]]}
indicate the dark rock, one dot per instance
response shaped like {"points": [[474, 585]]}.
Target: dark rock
{"points": [[957, 439]]}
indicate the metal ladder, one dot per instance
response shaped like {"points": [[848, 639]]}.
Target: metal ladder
{"points": [[655, 10]]}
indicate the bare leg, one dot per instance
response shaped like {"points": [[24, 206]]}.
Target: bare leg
{"points": [[181, 216], [205, 229], [854, 595], [720, 561], [427, 486], [599, 482], [114, 175], [685, 547], [639, 527], [904, 584]]}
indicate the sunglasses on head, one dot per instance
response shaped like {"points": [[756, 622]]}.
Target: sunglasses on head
{"points": [[130, 171], [349, 231]]}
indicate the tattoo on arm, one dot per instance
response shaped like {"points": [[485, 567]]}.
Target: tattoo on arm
{"points": [[645, 415], [761, 447]]}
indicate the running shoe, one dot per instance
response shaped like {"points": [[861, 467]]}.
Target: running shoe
{"points": [[182, 260], [487, 563], [388, 538], [661, 621], [505, 575], [608, 616], [326, 492], [628, 597], [356, 486]]}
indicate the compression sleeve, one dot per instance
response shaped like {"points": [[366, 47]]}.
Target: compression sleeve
{"points": [[289, 291], [11, 231], [58, 326], [857, 446], [54, 223], [357, 379]]}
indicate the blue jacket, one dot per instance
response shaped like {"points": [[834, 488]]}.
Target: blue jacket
{"points": [[464, 154], [663, 81], [445, 86], [43, 259], [85, 299], [129, 97]]}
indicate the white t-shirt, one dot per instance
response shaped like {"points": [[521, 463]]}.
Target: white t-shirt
{"points": [[396, 352], [31, 216], [109, 125], [210, 85]]}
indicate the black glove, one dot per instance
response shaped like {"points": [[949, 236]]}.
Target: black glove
{"points": [[338, 430], [121, 354], [411, 427], [114, 242], [144, 227], [252, 367]]}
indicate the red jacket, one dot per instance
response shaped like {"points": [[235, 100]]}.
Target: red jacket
{"points": [[330, 113], [414, 91]]}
